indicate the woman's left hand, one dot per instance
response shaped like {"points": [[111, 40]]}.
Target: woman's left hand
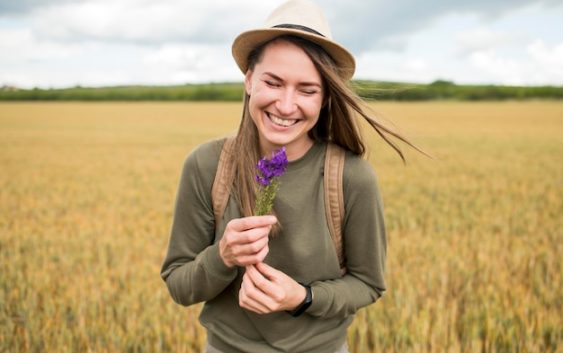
{"points": [[265, 290]]}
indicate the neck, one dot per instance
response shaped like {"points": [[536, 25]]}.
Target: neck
{"points": [[293, 151]]}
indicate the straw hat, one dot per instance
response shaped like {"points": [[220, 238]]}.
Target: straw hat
{"points": [[301, 18]]}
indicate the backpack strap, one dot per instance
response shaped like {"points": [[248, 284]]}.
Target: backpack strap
{"points": [[334, 198], [221, 188]]}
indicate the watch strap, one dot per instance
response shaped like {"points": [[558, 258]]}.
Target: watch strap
{"points": [[301, 308]]}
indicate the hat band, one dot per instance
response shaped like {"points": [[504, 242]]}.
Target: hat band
{"points": [[298, 27]]}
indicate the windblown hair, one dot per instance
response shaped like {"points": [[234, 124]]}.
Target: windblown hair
{"points": [[336, 124]]}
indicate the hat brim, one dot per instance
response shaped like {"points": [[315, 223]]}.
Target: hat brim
{"points": [[245, 42]]}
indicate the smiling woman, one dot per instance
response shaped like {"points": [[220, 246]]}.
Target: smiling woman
{"points": [[296, 291]]}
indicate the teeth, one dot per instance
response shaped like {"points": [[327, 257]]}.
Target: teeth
{"points": [[282, 122]]}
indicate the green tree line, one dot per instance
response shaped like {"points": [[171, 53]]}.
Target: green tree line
{"points": [[370, 90]]}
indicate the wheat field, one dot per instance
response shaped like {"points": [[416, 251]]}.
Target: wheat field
{"points": [[87, 193]]}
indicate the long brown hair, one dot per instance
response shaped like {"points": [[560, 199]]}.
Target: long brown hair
{"points": [[336, 124]]}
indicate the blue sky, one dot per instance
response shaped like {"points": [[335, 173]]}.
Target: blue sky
{"points": [[61, 43]]}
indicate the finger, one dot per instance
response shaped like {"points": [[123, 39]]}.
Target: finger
{"points": [[251, 298], [262, 254], [250, 304], [253, 259], [242, 224], [233, 238], [287, 292], [250, 248], [253, 292], [250, 235], [269, 272], [261, 282]]}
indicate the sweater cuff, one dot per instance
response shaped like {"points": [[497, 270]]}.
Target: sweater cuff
{"points": [[215, 265], [320, 299]]}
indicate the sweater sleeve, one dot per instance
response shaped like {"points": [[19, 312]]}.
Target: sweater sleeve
{"points": [[192, 269], [364, 245]]}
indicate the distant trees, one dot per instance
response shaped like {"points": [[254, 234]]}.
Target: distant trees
{"points": [[370, 90]]}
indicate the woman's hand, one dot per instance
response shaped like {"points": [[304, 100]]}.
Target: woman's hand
{"points": [[265, 290], [245, 241]]}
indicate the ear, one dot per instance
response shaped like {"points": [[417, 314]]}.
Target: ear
{"points": [[248, 82]]}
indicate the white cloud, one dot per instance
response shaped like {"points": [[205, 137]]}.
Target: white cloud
{"points": [[192, 63], [391, 66], [17, 45], [416, 65], [482, 39], [99, 42], [113, 21], [149, 22], [505, 70], [548, 57], [538, 64]]}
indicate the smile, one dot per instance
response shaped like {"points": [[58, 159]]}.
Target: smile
{"points": [[281, 122]]}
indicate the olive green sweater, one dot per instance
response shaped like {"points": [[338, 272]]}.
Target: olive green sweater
{"points": [[194, 271]]}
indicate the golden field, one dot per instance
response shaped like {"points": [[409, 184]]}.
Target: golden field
{"points": [[87, 192]]}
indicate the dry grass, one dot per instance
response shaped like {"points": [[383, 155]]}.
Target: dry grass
{"points": [[86, 199]]}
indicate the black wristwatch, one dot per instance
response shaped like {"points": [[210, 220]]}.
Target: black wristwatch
{"points": [[305, 304]]}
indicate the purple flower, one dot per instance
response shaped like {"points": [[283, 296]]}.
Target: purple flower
{"points": [[271, 168]]}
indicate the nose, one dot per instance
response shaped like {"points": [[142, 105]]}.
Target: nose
{"points": [[286, 104]]}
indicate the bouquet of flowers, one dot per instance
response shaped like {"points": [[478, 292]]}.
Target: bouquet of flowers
{"points": [[269, 171]]}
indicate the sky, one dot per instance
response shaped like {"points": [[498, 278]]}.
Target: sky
{"points": [[65, 43]]}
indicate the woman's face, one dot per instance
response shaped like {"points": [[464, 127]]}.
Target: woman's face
{"points": [[286, 96]]}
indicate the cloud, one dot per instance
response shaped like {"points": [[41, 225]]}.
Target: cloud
{"points": [[180, 63], [386, 25], [360, 25], [146, 22], [464, 49], [391, 66], [548, 62], [507, 70], [482, 39], [540, 64], [20, 45], [546, 55], [17, 7], [93, 42], [27, 61]]}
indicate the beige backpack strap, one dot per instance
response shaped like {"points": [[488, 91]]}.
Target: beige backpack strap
{"points": [[221, 189], [334, 198]]}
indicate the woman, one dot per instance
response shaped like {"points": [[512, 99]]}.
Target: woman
{"points": [[282, 292]]}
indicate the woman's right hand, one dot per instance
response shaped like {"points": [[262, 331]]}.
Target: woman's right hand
{"points": [[245, 241]]}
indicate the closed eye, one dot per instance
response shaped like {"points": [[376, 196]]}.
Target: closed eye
{"points": [[271, 83], [309, 92]]}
